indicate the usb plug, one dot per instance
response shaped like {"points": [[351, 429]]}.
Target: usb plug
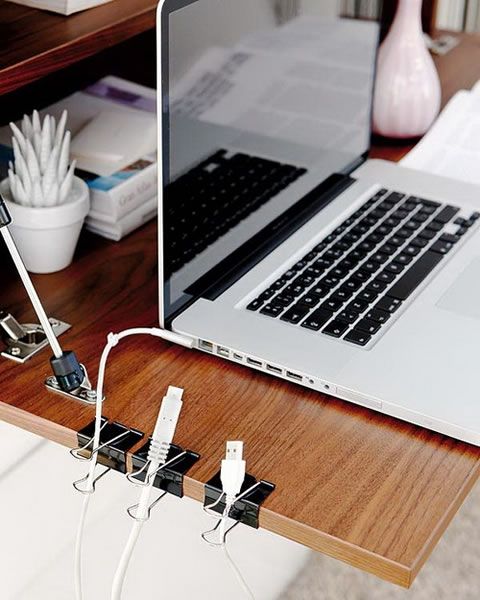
{"points": [[232, 472]]}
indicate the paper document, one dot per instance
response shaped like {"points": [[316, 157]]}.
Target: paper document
{"points": [[452, 146], [289, 84]]}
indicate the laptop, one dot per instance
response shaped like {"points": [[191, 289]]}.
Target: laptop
{"points": [[282, 247]]}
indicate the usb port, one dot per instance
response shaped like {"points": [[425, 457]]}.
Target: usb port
{"points": [[255, 363], [204, 345], [294, 376], [223, 352], [273, 369]]}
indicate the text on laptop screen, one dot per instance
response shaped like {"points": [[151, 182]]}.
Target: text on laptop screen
{"points": [[263, 101]]}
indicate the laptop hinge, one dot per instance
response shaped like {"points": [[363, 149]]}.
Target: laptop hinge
{"points": [[230, 270]]}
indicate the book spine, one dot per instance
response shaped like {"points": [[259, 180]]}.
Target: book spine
{"points": [[123, 199], [126, 225]]}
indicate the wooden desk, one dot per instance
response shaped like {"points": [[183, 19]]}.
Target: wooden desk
{"points": [[35, 43], [367, 489]]}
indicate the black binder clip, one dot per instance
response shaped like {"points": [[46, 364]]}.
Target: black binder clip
{"points": [[247, 505], [169, 476], [115, 441]]}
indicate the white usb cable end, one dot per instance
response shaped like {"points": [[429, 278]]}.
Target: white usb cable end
{"points": [[168, 416], [233, 470]]}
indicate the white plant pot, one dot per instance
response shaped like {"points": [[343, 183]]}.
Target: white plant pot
{"points": [[47, 237]]}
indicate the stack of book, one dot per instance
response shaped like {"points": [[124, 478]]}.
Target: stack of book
{"points": [[123, 201]]}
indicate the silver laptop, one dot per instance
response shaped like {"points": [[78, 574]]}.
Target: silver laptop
{"points": [[282, 248]]}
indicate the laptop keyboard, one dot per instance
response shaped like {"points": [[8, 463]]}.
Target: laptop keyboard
{"points": [[216, 195], [351, 284]]}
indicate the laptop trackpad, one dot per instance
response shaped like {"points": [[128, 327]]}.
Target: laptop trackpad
{"points": [[463, 297]]}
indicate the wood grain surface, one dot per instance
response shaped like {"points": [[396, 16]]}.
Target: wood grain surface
{"points": [[34, 43], [364, 488], [367, 489]]}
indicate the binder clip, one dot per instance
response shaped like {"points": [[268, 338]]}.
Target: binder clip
{"points": [[23, 341], [246, 508], [115, 441], [168, 477]]}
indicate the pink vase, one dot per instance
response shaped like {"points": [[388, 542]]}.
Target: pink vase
{"points": [[407, 94]]}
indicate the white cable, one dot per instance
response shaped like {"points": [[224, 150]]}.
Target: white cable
{"points": [[78, 548], [32, 293], [112, 341], [238, 574], [161, 439], [232, 475]]}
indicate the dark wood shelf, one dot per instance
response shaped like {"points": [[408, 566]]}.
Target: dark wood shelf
{"points": [[36, 43]]}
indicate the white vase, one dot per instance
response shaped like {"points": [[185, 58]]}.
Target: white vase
{"points": [[47, 237], [407, 93]]}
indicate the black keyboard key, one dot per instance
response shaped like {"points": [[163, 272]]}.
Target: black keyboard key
{"points": [[429, 203], [385, 277], [335, 328], [294, 290], [411, 251], [447, 214], [348, 316], [332, 304], [361, 276], [388, 249], [255, 305], [420, 217], [358, 337], [395, 197], [394, 268], [380, 316], [377, 286], [435, 226], [396, 241], [419, 242], [289, 274], [380, 258], [279, 284], [295, 314], [427, 234], [415, 275], [427, 210], [317, 319], [449, 238], [358, 306], [367, 326], [442, 247], [352, 285], [370, 266], [367, 295], [272, 310], [404, 233], [330, 281], [319, 290], [267, 294], [403, 259], [388, 304], [283, 299], [412, 225], [309, 300], [343, 294]]}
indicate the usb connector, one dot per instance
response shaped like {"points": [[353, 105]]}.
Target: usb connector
{"points": [[232, 473], [168, 417]]}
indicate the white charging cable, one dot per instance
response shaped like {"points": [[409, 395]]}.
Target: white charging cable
{"points": [[157, 456], [113, 340], [232, 475]]}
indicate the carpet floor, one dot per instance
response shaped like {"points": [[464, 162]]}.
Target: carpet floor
{"points": [[451, 573]]}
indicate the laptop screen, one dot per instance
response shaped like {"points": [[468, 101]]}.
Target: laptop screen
{"points": [[263, 100]]}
